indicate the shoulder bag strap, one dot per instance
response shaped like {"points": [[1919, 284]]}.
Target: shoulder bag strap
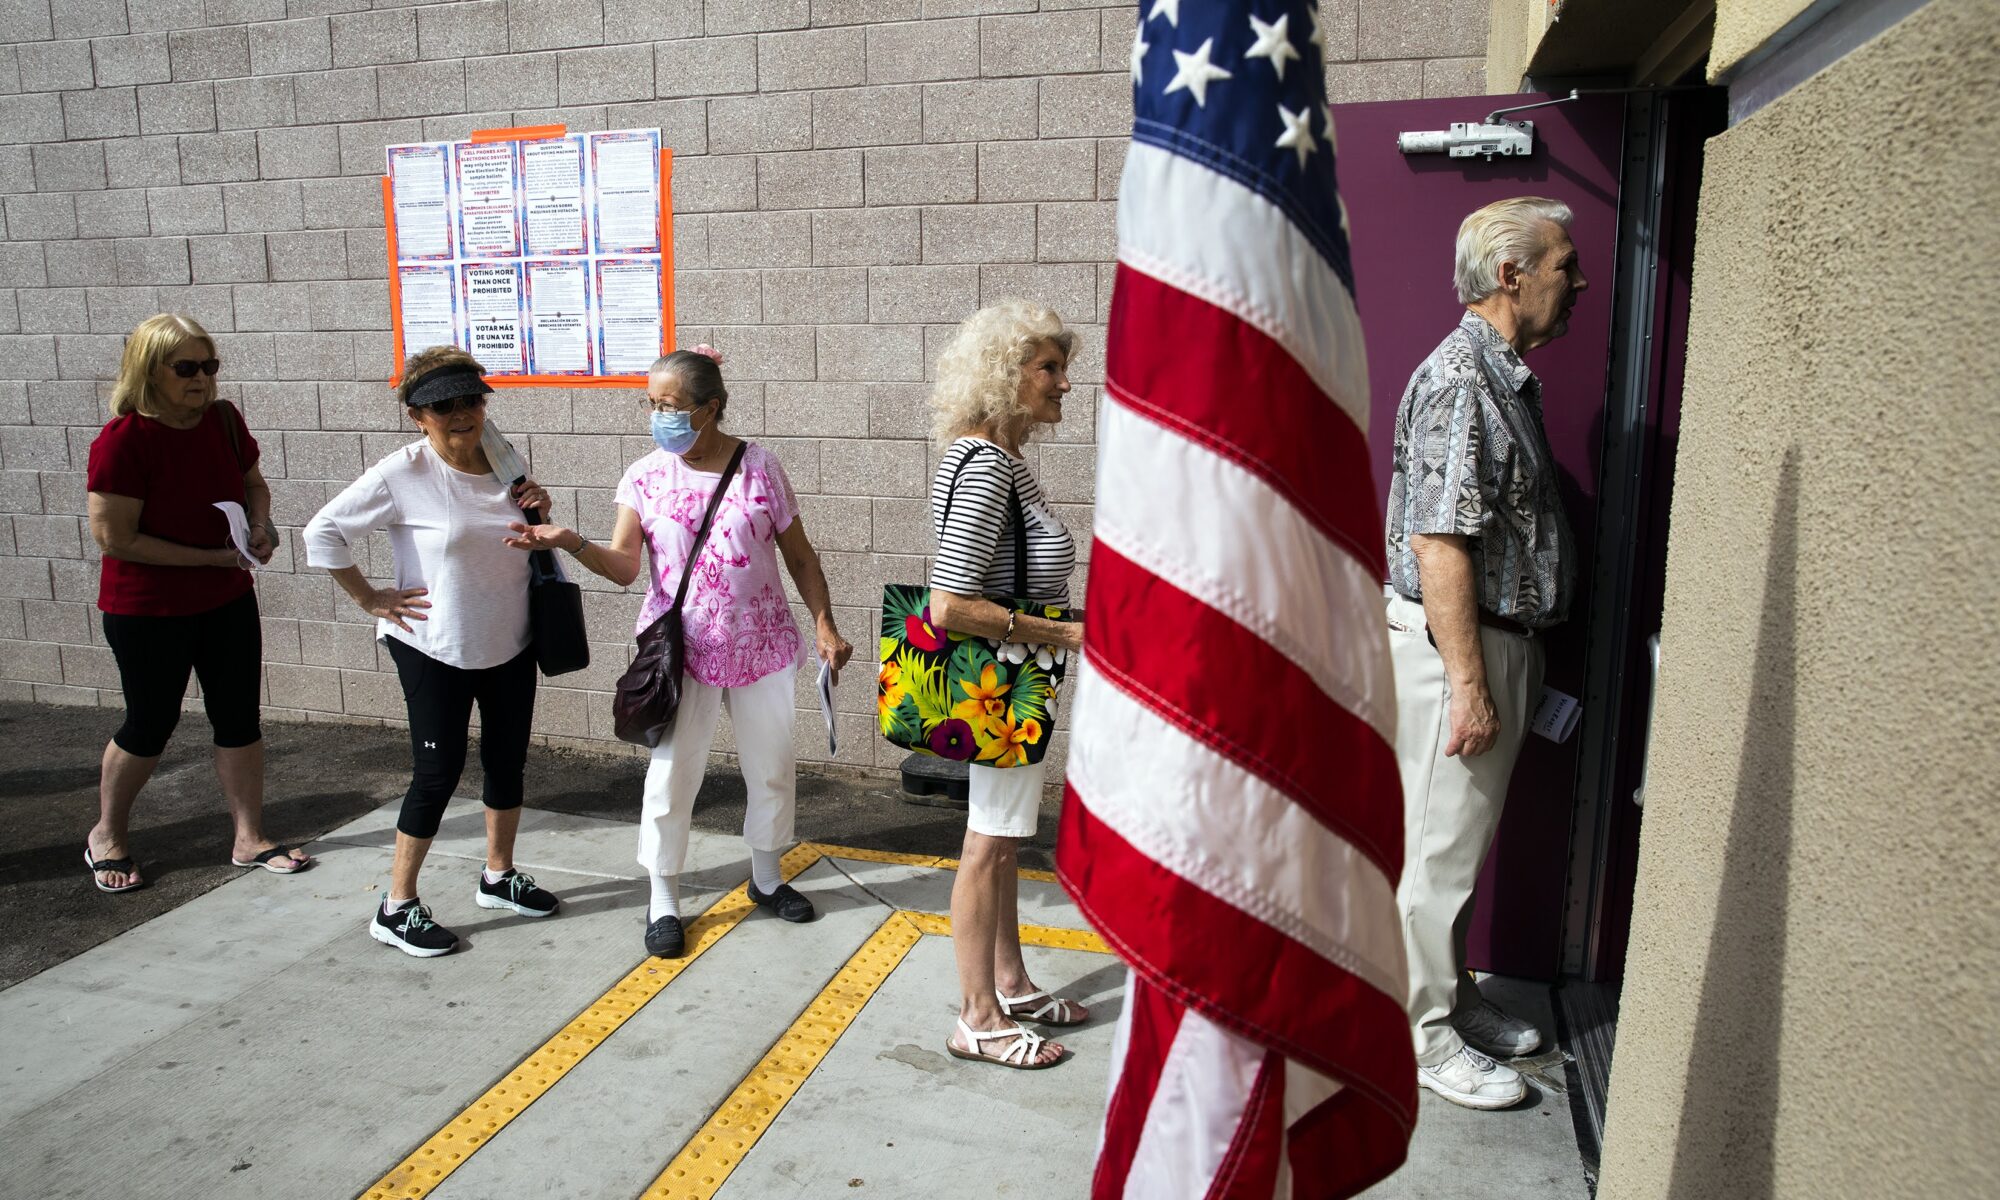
{"points": [[1020, 517], [951, 489], [1020, 533], [708, 518], [950, 494], [229, 419]]}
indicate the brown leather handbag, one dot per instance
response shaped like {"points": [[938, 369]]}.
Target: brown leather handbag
{"points": [[649, 692]]}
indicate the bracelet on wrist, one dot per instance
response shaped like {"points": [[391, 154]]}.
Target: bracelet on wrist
{"points": [[1009, 635], [582, 543]]}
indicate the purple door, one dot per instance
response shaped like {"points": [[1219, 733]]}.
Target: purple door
{"points": [[1403, 214]]}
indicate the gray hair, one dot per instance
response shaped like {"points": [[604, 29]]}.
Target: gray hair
{"points": [[1502, 232]]}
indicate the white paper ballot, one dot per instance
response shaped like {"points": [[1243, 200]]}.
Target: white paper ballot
{"points": [[1556, 715], [239, 534], [826, 702], [420, 181]]}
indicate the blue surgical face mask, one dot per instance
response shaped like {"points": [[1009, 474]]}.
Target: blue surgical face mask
{"points": [[674, 431]]}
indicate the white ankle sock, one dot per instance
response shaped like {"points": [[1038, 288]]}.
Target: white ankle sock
{"points": [[389, 904], [492, 876], [666, 898], [764, 870]]}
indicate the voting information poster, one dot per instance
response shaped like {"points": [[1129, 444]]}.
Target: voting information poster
{"points": [[546, 257]]}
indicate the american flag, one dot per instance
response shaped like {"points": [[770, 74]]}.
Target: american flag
{"points": [[1234, 821]]}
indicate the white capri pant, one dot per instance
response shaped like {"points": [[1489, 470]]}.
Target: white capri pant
{"points": [[761, 715], [1005, 802]]}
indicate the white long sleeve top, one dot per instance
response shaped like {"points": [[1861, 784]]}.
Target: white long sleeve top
{"points": [[445, 528]]}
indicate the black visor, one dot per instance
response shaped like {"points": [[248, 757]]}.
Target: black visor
{"points": [[447, 383]]}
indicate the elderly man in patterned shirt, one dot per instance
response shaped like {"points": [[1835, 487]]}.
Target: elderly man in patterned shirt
{"points": [[1479, 562]]}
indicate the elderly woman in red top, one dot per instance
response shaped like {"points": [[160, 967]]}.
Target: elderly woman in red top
{"points": [[175, 593]]}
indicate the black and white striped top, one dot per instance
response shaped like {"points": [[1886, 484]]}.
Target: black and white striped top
{"points": [[976, 548]]}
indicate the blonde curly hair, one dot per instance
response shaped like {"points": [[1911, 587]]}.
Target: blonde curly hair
{"points": [[979, 373]]}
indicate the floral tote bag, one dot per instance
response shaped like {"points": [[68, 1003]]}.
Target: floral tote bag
{"points": [[961, 696]]}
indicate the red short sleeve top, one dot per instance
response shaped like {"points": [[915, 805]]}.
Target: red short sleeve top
{"points": [[178, 475]]}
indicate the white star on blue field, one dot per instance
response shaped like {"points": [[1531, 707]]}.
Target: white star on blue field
{"points": [[1240, 87]]}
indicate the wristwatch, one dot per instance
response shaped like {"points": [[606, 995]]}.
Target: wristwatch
{"points": [[582, 544]]}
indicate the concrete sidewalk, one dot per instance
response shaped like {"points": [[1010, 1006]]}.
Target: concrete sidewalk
{"points": [[254, 1041]]}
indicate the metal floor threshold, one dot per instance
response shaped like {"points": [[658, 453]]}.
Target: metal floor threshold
{"points": [[1587, 1028]]}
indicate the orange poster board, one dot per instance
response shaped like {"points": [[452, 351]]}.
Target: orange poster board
{"points": [[489, 241]]}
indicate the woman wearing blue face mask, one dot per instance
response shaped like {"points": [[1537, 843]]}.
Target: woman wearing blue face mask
{"points": [[742, 644]]}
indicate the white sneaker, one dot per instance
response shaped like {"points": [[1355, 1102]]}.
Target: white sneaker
{"points": [[1493, 1030], [1473, 1080]]}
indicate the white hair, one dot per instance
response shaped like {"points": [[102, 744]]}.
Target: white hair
{"points": [[979, 372], [1502, 232]]}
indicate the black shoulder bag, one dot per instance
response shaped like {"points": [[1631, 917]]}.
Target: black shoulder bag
{"points": [[649, 692], [556, 631]]}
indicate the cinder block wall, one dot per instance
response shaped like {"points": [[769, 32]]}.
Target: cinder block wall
{"points": [[851, 178]]}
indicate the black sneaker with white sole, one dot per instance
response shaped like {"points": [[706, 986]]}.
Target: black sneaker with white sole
{"points": [[410, 929], [516, 893]]}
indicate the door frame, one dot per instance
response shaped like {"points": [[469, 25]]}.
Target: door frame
{"points": [[1662, 132]]}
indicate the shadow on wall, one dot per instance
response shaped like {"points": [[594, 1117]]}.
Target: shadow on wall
{"points": [[1729, 1112]]}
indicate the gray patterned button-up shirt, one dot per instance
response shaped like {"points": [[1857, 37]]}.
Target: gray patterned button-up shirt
{"points": [[1471, 458]]}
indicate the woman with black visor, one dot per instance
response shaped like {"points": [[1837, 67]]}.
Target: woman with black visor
{"points": [[455, 622]]}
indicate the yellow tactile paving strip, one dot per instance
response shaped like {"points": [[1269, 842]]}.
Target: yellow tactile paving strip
{"points": [[448, 1148], [703, 1165], [715, 1149], [705, 1162], [919, 860]]}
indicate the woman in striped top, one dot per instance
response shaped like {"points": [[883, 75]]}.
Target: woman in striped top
{"points": [[1004, 373]]}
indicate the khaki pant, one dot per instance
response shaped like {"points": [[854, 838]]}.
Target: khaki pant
{"points": [[1451, 807]]}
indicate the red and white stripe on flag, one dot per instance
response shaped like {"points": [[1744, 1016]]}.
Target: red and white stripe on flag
{"points": [[1233, 821]]}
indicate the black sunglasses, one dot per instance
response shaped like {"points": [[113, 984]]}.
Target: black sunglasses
{"points": [[186, 367], [451, 404]]}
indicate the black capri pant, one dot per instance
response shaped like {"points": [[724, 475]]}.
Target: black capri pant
{"points": [[440, 699], [223, 647]]}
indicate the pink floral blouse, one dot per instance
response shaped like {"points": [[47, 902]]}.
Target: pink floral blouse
{"points": [[737, 624]]}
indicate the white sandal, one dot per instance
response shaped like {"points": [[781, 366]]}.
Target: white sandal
{"points": [[1054, 1010], [1020, 1056]]}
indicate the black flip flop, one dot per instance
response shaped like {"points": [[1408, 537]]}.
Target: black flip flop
{"points": [[121, 865], [268, 858]]}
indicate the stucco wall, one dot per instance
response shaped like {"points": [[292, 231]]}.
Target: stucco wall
{"points": [[1514, 29], [851, 177], [1741, 26], [1809, 998]]}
